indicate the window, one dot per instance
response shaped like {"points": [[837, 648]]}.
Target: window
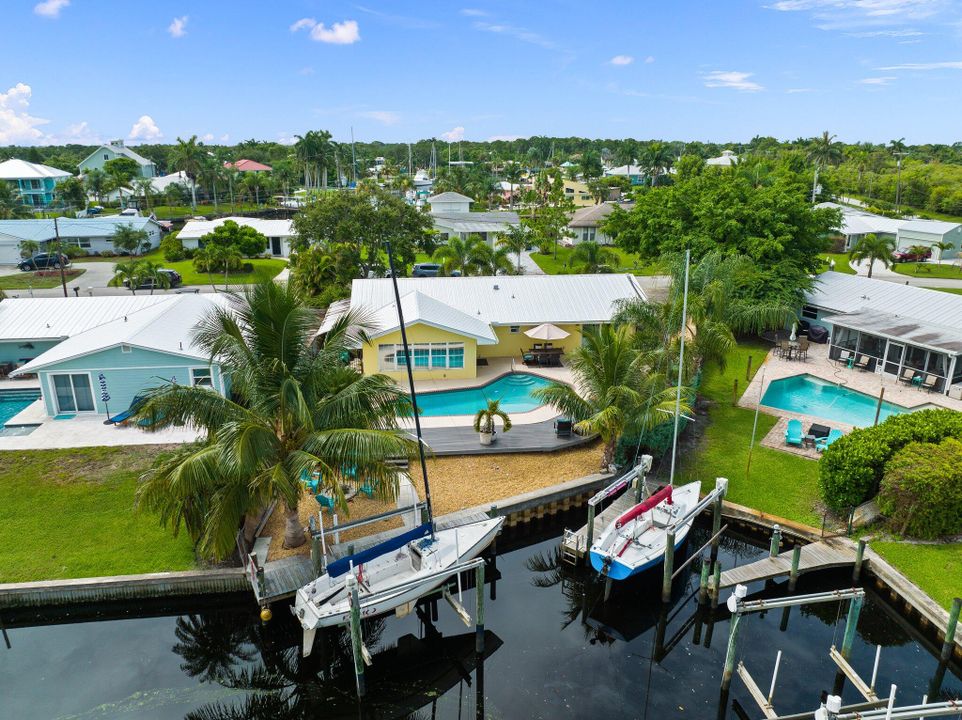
{"points": [[201, 377], [421, 356], [106, 157], [456, 356], [514, 329], [588, 234], [810, 312], [125, 348], [426, 356], [72, 393], [439, 355]]}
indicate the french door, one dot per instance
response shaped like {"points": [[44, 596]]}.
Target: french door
{"points": [[73, 393], [893, 358]]}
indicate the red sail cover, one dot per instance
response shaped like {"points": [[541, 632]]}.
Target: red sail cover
{"points": [[643, 507]]}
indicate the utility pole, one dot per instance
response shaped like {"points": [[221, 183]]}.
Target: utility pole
{"points": [[898, 182], [63, 277]]}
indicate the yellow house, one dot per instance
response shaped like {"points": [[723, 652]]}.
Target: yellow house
{"points": [[453, 322], [578, 193]]}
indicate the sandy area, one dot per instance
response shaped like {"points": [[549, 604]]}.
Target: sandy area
{"points": [[456, 483]]}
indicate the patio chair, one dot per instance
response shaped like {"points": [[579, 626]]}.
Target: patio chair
{"points": [[122, 417], [803, 348], [862, 362], [929, 382], [528, 359], [823, 443], [793, 433], [326, 503], [907, 375], [783, 348]]}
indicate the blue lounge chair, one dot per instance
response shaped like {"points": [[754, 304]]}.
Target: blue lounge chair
{"points": [[129, 412], [326, 502], [824, 442], [793, 433]]}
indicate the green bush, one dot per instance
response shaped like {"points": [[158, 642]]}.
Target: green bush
{"points": [[173, 248], [922, 489], [851, 469]]}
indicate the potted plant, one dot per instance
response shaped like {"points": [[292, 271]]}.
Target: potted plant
{"points": [[484, 421]]}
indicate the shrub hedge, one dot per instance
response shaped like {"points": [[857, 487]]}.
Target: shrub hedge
{"points": [[851, 469], [921, 492]]}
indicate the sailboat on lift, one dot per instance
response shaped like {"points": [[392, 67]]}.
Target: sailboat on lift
{"points": [[637, 539], [397, 571]]}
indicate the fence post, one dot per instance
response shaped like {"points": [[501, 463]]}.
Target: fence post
{"points": [[735, 393], [748, 370]]}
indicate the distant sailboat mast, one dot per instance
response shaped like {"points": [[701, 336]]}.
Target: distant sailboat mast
{"points": [[353, 160], [681, 367]]}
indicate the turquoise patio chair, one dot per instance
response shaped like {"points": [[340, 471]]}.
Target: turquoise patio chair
{"points": [[793, 433], [824, 442], [326, 502]]}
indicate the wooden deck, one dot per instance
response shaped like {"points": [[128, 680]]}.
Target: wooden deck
{"points": [[534, 437], [815, 556], [576, 543]]}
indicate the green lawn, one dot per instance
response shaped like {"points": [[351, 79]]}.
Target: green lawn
{"points": [[627, 262], [779, 483], [264, 269], [69, 513], [954, 291], [841, 263], [934, 568], [28, 280], [929, 269]]}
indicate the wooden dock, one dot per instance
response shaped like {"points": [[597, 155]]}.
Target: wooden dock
{"points": [[814, 556], [575, 543]]}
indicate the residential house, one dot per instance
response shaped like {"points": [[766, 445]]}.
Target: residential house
{"points": [[113, 150], [133, 344], [277, 232], [452, 217], [33, 183], [93, 235], [244, 165], [453, 323], [726, 159], [635, 174], [585, 223], [906, 232], [895, 327], [577, 192]]}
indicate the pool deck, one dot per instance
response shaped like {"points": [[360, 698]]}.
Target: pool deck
{"points": [[531, 437]]}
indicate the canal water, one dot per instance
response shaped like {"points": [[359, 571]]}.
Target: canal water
{"points": [[554, 648]]}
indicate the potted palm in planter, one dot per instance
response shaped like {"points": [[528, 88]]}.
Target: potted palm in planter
{"points": [[484, 421]]}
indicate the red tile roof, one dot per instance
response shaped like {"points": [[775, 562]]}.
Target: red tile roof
{"points": [[245, 165]]}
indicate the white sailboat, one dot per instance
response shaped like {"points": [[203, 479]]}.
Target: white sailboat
{"points": [[638, 538], [399, 570]]}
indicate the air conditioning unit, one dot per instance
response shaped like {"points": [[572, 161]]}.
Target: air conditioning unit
{"points": [[955, 391]]}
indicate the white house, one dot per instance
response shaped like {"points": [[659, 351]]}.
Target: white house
{"points": [[450, 202], [726, 159], [634, 173], [277, 232], [857, 223], [112, 150], [585, 222], [452, 217], [93, 235], [33, 183]]}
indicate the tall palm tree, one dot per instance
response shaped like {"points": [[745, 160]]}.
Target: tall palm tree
{"points": [[96, 183], [211, 172], [455, 254], [188, 156], [590, 257], [294, 407], [487, 260], [130, 273], [145, 187], [512, 173], [613, 391], [874, 248], [942, 246], [823, 151], [150, 271], [899, 149], [514, 239], [656, 160]]}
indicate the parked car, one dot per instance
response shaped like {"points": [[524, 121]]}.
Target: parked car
{"points": [[173, 277], [901, 256], [426, 270], [44, 261]]}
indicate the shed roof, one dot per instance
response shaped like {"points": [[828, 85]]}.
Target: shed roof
{"points": [[935, 227], [42, 230], [592, 215], [271, 228], [57, 318], [245, 165], [450, 197], [15, 169]]}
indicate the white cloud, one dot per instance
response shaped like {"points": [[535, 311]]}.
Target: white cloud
{"points": [[17, 125], [650, 59], [732, 79], [506, 138], [621, 60], [308, 70], [50, 8], [877, 80], [225, 138], [178, 27], [796, 91], [207, 137], [340, 33], [385, 117], [851, 14], [954, 65], [519, 33], [473, 12], [145, 129], [886, 33], [454, 134]]}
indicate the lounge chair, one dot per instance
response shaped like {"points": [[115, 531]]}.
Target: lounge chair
{"points": [[862, 361], [793, 433], [123, 417], [562, 427], [907, 375], [823, 443], [326, 503], [929, 382]]}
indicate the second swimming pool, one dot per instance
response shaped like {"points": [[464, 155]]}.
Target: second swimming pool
{"points": [[809, 395], [513, 390]]}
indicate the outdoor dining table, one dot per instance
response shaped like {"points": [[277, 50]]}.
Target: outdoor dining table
{"points": [[546, 356]]}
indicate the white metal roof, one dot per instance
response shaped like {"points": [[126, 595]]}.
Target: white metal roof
{"points": [[42, 230], [15, 169], [511, 299], [897, 327], [853, 293], [632, 169], [194, 229], [856, 221], [57, 318], [450, 197], [935, 227], [166, 326], [592, 215], [420, 308], [728, 157]]}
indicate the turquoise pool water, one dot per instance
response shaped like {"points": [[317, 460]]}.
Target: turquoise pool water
{"points": [[514, 392], [808, 395], [14, 401]]}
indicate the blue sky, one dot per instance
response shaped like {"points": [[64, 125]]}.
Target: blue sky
{"points": [[722, 70]]}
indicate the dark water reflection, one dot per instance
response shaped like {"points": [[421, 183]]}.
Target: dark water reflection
{"points": [[554, 648]]}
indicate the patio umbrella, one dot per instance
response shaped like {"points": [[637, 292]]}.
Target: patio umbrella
{"points": [[794, 335], [546, 331]]}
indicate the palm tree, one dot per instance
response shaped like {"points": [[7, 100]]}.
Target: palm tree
{"points": [[512, 173], [942, 246], [656, 159], [484, 420], [487, 260], [228, 256], [294, 407], [212, 170], [613, 389], [455, 254], [11, 207], [129, 273], [150, 272], [189, 157], [823, 151], [145, 187], [96, 183], [514, 239], [874, 248], [590, 257]]}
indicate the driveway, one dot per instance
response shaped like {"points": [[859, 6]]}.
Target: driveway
{"points": [[880, 272], [529, 265]]}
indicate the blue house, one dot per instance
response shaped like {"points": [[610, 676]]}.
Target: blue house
{"points": [[33, 183], [129, 352], [113, 150]]}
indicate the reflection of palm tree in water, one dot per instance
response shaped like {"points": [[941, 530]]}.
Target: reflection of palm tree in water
{"points": [[212, 645], [578, 586]]}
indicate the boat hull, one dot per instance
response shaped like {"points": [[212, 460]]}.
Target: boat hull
{"points": [[618, 570]]}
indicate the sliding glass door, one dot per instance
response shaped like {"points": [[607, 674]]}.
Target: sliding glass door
{"points": [[73, 393]]}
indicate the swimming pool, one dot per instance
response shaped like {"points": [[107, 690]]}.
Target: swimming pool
{"points": [[12, 402], [513, 390], [809, 395]]}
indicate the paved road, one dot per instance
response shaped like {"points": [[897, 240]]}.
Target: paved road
{"points": [[880, 272]]}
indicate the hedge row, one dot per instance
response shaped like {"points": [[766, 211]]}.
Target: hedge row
{"points": [[851, 469]]}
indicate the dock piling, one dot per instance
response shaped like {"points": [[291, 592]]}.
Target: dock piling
{"points": [[793, 574], [730, 653], [716, 518], [851, 622], [669, 566], [776, 541], [356, 641], [703, 583], [479, 610], [859, 557], [716, 585], [590, 532]]}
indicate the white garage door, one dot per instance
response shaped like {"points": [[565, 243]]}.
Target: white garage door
{"points": [[9, 252]]}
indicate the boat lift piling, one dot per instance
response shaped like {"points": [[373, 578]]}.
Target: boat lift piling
{"points": [[945, 656], [859, 558], [776, 541], [357, 642]]}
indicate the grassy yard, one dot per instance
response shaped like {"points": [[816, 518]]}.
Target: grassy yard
{"points": [[69, 513], [929, 270], [264, 269], [934, 568], [954, 291], [26, 280], [165, 212], [627, 262], [841, 263], [779, 482]]}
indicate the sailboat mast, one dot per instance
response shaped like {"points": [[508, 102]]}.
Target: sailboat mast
{"points": [[681, 367], [414, 397]]}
